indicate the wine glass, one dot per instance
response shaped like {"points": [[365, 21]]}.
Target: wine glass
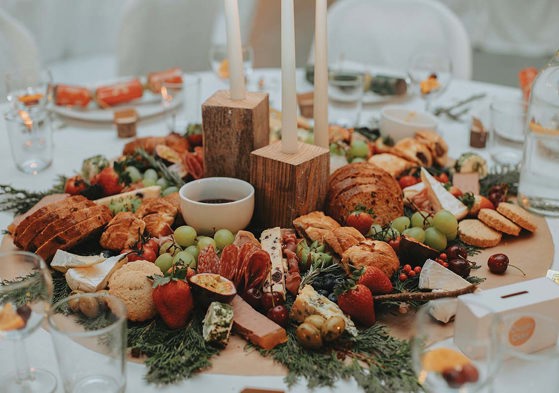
{"points": [[441, 366], [431, 73], [220, 63], [25, 297]]}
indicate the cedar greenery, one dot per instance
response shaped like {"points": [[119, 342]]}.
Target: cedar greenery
{"points": [[19, 201]]}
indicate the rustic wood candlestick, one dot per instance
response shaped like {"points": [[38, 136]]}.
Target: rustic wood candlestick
{"points": [[232, 129], [288, 185]]}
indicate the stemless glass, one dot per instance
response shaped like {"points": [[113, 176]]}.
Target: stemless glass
{"points": [[431, 73], [181, 102], [29, 89], [441, 366], [345, 93], [25, 297], [220, 64]]}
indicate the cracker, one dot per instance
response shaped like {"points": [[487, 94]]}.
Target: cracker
{"points": [[476, 233], [495, 220], [518, 215]]}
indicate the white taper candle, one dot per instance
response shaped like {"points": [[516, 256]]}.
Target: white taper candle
{"points": [[288, 84], [234, 51], [321, 137]]}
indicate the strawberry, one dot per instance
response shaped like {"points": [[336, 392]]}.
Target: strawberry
{"points": [[173, 300], [360, 219], [376, 280], [109, 180], [358, 303]]}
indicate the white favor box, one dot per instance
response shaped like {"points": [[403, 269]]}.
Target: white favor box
{"points": [[540, 296]]}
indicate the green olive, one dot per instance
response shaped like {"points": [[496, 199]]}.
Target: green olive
{"points": [[309, 336], [315, 320], [332, 328]]}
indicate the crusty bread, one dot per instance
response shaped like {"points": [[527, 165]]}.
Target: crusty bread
{"points": [[123, 231], [391, 163], [413, 150], [372, 253], [364, 184], [342, 238], [314, 220], [436, 145], [158, 214]]}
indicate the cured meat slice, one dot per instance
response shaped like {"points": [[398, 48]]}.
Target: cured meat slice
{"points": [[229, 261], [193, 166], [243, 237], [207, 261], [257, 269], [293, 278]]}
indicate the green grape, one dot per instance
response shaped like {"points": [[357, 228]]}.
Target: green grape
{"points": [[223, 237], [169, 190], [205, 241], [193, 250], [451, 236], [358, 149], [164, 262], [170, 247], [400, 223], [150, 174], [161, 182], [358, 159], [374, 231], [445, 222], [421, 219], [391, 234], [184, 258], [148, 182], [417, 233], [435, 239], [134, 173], [185, 236]]}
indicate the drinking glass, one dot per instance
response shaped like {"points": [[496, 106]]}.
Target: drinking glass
{"points": [[441, 366], [29, 89], [25, 296], [345, 93], [181, 102], [530, 353], [431, 73], [89, 334], [506, 138], [220, 63]]}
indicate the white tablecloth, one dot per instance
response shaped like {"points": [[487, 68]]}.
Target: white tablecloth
{"points": [[77, 140]]}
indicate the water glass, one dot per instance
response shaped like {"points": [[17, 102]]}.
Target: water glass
{"points": [[506, 138], [89, 333], [345, 93], [525, 370], [220, 63], [30, 137], [29, 89], [182, 103]]}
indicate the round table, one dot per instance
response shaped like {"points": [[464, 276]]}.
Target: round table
{"points": [[76, 140]]}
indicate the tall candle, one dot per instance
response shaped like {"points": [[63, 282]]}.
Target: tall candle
{"points": [[288, 88], [320, 76], [234, 51]]}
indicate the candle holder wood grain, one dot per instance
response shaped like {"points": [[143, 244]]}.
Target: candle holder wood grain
{"points": [[232, 130], [288, 185]]}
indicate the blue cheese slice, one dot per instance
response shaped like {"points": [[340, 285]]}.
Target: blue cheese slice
{"points": [[310, 302], [96, 277], [440, 198], [271, 243], [434, 276], [64, 260], [217, 323]]}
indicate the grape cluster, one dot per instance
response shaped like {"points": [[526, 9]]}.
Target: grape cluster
{"points": [[150, 178]]}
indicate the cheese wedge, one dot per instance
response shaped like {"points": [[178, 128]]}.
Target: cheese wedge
{"points": [[434, 276], [271, 243], [309, 302], [96, 277], [443, 310], [64, 260], [141, 193], [442, 199]]}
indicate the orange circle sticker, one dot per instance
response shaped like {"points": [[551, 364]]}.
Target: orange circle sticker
{"points": [[521, 331]]}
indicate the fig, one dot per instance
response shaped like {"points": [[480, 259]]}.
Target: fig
{"points": [[414, 252], [210, 287]]}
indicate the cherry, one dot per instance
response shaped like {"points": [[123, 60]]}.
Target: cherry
{"points": [[454, 377], [460, 266], [470, 372], [279, 315], [271, 300], [253, 296], [498, 264], [455, 251]]}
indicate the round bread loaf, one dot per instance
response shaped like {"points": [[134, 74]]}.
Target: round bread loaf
{"points": [[364, 184]]}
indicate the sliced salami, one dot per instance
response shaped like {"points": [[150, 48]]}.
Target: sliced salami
{"points": [[208, 261], [229, 261], [257, 269]]}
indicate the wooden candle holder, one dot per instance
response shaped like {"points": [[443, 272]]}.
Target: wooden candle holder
{"points": [[232, 130], [288, 185]]}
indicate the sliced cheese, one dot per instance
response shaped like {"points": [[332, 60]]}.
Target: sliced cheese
{"points": [[310, 302], [64, 260], [434, 276], [141, 193], [94, 278], [271, 243], [442, 199], [443, 310]]}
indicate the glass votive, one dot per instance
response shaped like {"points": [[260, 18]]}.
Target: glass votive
{"points": [[506, 138], [345, 98], [181, 102], [30, 137], [89, 333]]}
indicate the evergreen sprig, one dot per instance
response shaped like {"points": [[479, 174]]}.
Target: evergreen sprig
{"points": [[161, 168], [18, 201]]}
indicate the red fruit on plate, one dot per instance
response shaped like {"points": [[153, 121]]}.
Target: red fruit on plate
{"points": [[75, 185], [406, 181], [271, 300], [253, 296], [279, 315], [360, 220], [358, 303], [395, 244], [109, 181], [498, 264], [455, 191], [173, 300], [376, 280]]}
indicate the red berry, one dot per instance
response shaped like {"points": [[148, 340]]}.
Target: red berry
{"points": [[279, 315], [454, 377], [407, 268], [411, 273], [417, 269], [498, 264], [445, 264], [403, 277], [443, 256], [470, 372]]}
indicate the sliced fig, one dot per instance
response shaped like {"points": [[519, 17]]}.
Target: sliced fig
{"points": [[414, 252], [211, 287]]}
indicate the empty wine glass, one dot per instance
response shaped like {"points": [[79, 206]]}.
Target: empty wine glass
{"points": [[220, 63], [431, 73], [25, 297], [441, 366]]}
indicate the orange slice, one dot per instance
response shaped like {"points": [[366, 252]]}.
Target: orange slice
{"points": [[429, 85], [440, 359], [30, 99], [10, 319]]}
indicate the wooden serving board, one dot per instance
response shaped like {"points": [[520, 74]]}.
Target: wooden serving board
{"points": [[533, 253]]}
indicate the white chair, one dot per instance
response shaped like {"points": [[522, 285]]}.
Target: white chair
{"points": [[155, 35], [17, 49], [388, 33]]}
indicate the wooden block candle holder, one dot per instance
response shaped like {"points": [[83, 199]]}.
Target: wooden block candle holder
{"points": [[288, 185], [232, 130]]}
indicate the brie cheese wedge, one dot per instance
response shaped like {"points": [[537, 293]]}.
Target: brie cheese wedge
{"points": [[443, 310], [440, 198], [271, 243], [96, 277], [434, 276], [64, 260]]}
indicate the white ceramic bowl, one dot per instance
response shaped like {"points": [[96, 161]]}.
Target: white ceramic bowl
{"points": [[399, 122], [207, 218]]}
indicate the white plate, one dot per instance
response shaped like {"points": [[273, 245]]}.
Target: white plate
{"points": [[147, 106]]}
